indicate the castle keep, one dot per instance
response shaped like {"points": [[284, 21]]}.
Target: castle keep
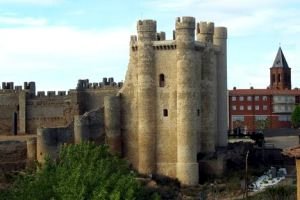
{"points": [[172, 105]]}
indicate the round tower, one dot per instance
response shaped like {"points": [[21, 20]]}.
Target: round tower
{"points": [[208, 131], [187, 93], [112, 123], [46, 144], [81, 129], [146, 96], [220, 40], [205, 31]]}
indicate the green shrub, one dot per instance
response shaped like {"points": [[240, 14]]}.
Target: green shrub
{"points": [[83, 172]]}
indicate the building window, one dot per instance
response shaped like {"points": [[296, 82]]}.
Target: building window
{"points": [[278, 78], [256, 98], [265, 107], [264, 98], [282, 107], [260, 117], [165, 112], [233, 98], [241, 98], [233, 107], [249, 107], [241, 107], [249, 98], [257, 107], [238, 118], [161, 80], [198, 112], [284, 118], [273, 78]]}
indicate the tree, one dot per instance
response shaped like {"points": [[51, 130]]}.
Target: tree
{"points": [[262, 124], [296, 117], [84, 171]]}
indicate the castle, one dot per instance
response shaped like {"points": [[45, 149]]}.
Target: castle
{"points": [[171, 106]]}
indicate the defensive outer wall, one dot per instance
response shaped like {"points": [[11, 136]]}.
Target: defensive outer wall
{"points": [[171, 107]]}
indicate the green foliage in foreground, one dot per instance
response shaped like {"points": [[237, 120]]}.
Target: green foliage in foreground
{"points": [[84, 171], [296, 117], [283, 192]]}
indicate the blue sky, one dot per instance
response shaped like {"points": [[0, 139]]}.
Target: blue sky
{"points": [[56, 42]]}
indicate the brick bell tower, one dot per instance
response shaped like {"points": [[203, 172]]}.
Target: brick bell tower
{"points": [[280, 73]]}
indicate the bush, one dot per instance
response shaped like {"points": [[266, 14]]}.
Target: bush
{"points": [[84, 171], [296, 117]]}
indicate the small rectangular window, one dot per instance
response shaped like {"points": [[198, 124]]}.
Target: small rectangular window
{"points": [[234, 98], [265, 98], [241, 107], [256, 107], [256, 98], [161, 80], [265, 107], [165, 112], [241, 98], [249, 107], [238, 118], [233, 107], [249, 98]]}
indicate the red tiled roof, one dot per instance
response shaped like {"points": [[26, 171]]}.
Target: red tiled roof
{"points": [[263, 92], [292, 152]]}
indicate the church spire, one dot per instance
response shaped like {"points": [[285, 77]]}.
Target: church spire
{"points": [[280, 73], [280, 60]]}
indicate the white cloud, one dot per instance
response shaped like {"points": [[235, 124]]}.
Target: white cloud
{"points": [[63, 54]]}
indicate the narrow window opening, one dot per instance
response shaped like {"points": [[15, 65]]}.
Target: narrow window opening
{"points": [[165, 112], [161, 80], [278, 78], [273, 78], [198, 112]]}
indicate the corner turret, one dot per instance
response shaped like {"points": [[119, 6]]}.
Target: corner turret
{"points": [[146, 30], [146, 92], [187, 100], [205, 31], [220, 40]]}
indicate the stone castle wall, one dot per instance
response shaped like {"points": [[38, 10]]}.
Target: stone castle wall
{"points": [[171, 107], [49, 109]]}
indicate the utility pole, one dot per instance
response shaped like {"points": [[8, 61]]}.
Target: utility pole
{"points": [[246, 174]]}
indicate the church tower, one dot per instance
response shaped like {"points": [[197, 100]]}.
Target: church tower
{"points": [[280, 73]]}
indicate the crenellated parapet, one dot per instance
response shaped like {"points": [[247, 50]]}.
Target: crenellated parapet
{"points": [[205, 31], [51, 94], [106, 83], [185, 23], [9, 87]]}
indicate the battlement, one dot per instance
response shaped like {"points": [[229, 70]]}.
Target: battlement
{"points": [[205, 28], [147, 25], [185, 23], [161, 36], [29, 86], [133, 39], [51, 94], [220, 32], [8, 87], [164, 45], [106, 82]]}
